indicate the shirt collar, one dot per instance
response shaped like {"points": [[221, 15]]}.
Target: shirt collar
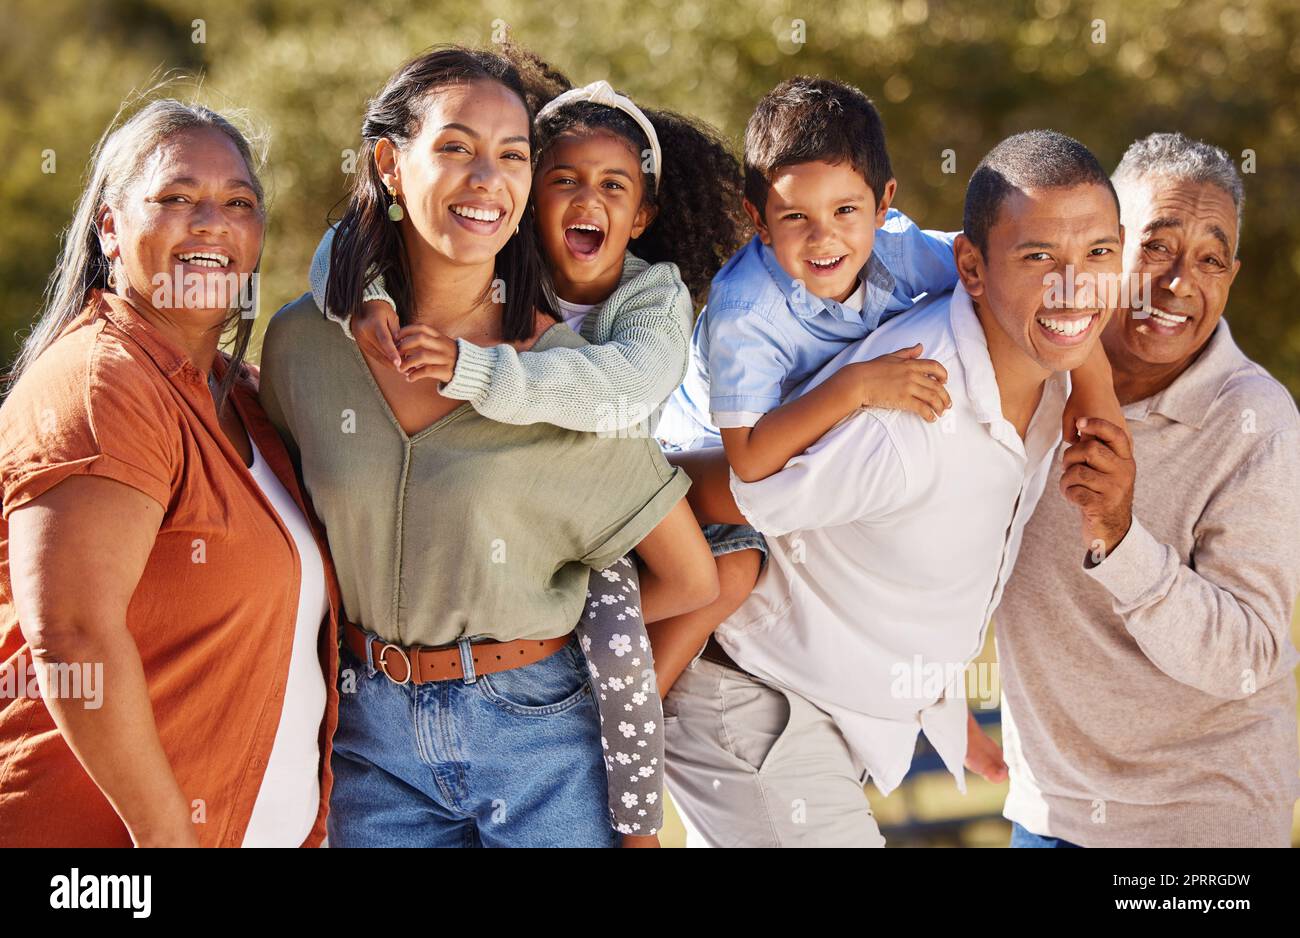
{"points": [[1193, 392], [875, 278], [982, 382], [168, 356], [973, 350]]}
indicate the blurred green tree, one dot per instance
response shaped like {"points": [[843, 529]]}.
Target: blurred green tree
{"points": [[951, 78]]}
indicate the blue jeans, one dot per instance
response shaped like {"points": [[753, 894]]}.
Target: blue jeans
{"points": [[1023, 838], [506, 759], [729, 538]]}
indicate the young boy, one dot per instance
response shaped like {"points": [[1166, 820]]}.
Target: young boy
{"points": [[831, 262]]}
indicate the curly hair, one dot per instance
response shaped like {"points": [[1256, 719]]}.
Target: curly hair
{"points": [[699, 221], [541, 80]]}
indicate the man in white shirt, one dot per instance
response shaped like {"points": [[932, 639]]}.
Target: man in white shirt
{"points": [[890, 539]]}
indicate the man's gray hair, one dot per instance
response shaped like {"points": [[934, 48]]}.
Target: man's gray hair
{"points": [[1174, 156]]}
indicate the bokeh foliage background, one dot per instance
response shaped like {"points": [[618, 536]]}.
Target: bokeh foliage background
{"points": [[947, 74]]}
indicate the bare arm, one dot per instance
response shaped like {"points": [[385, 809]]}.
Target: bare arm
{"points": [[899, 380], [678, 574], [76, 554], [1092, 394], [710, 495]]}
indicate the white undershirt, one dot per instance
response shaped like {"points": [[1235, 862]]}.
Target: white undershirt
{"points": [[289, 799], [574, 313]]}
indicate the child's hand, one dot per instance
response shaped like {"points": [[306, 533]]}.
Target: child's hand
{"points": [[375, 329], [901, 381], [983, 755], [639, 840], [426, 353]]}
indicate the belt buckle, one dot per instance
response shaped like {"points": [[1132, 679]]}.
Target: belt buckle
{"points": [[383, 663]]}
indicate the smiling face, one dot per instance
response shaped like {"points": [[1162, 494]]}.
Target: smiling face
{"points": [[820, 221], [589, 197], [1184, 238], [1040, 238], [191, 214], [463, 181]]}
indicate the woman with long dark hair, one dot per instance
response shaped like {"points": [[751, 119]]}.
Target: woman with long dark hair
{"points": [[465, 544]]}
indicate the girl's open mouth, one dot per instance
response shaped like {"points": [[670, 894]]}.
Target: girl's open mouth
{"points": [[584, 240]]}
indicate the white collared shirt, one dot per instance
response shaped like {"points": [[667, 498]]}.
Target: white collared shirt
{"points": [[890, 541]]}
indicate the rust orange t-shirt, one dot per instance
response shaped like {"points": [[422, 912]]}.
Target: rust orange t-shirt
{"points": [[214, 613]]}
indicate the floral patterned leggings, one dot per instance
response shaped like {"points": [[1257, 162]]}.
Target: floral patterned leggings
{"points": [[613, 637]]}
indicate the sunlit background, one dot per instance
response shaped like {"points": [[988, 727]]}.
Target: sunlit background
{"points": [[947, 76]]}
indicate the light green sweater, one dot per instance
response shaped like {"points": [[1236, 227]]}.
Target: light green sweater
{"points": [[640, 341]]}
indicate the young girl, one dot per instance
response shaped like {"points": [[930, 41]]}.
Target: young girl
{"points": [[635, 212]]}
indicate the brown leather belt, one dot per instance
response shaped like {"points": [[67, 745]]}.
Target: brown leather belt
{"points": [[421, 664], [718, 655]]}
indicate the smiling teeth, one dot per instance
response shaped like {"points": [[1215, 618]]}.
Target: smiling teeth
{"points": [[1067, 327], [584, 228], [205, 259], [478, 214], [1167, 319], [826, 263]]}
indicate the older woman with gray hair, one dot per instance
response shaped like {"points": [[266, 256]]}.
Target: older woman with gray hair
{"points": [[168, 610], [1147, 668]]}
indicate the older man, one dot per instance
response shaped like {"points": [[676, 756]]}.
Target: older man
{"points": [[1147, 670], [890, 539]]}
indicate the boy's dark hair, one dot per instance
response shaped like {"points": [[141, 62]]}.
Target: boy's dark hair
{"points": [[804, 120], [1035, 159]]}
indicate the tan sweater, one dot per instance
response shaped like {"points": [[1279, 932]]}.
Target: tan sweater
{"points": [[1150, 701]]}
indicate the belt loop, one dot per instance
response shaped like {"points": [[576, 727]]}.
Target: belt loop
{"points": [[467, 661], [371, 638]]}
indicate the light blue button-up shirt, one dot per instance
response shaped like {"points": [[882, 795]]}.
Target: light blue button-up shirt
{"points": [[763, 333]]}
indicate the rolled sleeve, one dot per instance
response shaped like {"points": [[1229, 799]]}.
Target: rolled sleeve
{"points": [[750, 502], [86, 410], [634, 529], [23, 488], [730, 420]]}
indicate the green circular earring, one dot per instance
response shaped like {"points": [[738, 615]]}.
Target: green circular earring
{"points": [[395, 212]]}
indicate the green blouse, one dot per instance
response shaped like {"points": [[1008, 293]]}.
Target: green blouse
{"points": [[469, 527]]}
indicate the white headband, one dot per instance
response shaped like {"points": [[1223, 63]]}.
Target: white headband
{"points": [[600, 92]]}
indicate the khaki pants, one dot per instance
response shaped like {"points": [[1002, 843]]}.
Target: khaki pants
{"points": [[752, 765]]}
